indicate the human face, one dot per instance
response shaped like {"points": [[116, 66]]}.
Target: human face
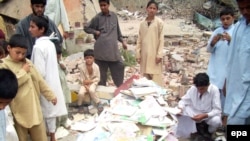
{"points": [[4, 103], [38, 9], [151, 10], [202, 89], [244, 7], [18, 54], [227, 20], [35, 31], [89, 60], [104, 7]]}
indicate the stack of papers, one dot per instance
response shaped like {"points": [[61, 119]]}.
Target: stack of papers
{"points": [[143, 91]]}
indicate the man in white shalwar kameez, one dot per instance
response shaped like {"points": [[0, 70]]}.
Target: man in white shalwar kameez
{"points": [[44, 58], [201, 103]]}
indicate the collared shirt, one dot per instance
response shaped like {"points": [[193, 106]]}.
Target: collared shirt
{"points": [[2, 125], [218, 58], [95, 77], [238, 72], [208, 103], [106, 46]]}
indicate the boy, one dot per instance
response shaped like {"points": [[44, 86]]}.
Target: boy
{"points": [[30, 86], [45, 59], [62, 121], [201, 103], [90, 75], [150, 42], [38, 9], [8, 91], [218, 46], [105, 28]]}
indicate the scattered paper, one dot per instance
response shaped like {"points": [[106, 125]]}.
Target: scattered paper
{"points": [[83, 126]]}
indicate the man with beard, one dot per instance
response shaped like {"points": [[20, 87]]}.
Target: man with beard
{"points": [[38, 8]]}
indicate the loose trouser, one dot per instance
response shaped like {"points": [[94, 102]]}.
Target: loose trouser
{"points": [[51, 124], [116, 69], [157, 78], [37, 132], [91, 91]]}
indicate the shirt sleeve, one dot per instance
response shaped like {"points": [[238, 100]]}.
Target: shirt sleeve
{"points": [[64, 16], [210, 48], [119, 33], [138, 45], [161, 40], [97, 78], [216, 105], [92, 26], [38, 59], [186, 99]]}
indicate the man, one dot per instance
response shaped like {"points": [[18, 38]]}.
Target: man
{"points": [[201, 103], [38, 8], [56, 11], [105, 28], [237, 104]]}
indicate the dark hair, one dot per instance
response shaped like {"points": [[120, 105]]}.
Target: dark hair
{"points": [[88, 52], [107, 1], [38, 2], [18, 40], [227, 11], [2, 52], [41, 22], [8, 84], [201, 79], [152, 2], [4, 45]]}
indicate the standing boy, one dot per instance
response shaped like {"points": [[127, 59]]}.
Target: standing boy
{"points": [[38, 8], [90, 76], [8, 91], [105, 28], [237, 104], [45, 59], [30, 86], [218, 46], [150, 42]]}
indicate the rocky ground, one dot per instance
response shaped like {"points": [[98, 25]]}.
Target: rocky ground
{"points": [[185, 55]]}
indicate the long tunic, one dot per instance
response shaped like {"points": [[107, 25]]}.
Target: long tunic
{"points": [[150, 45], [56, 11], [45, 59], [218, 58], [25, 106], [95, 77], [106, 45], [65, 88], [238, 72], [23, 28], [2, 125]]}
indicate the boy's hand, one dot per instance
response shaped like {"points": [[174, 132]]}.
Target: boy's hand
{"points": [[138, 60], [216, 39], [54, 101], [157, 60], [226, 36], [26, 67], [199, 117], [124, 45], [87, 82], [62, 66]]}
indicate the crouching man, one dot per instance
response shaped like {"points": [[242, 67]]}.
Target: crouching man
{"points": [[200, 103]]}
